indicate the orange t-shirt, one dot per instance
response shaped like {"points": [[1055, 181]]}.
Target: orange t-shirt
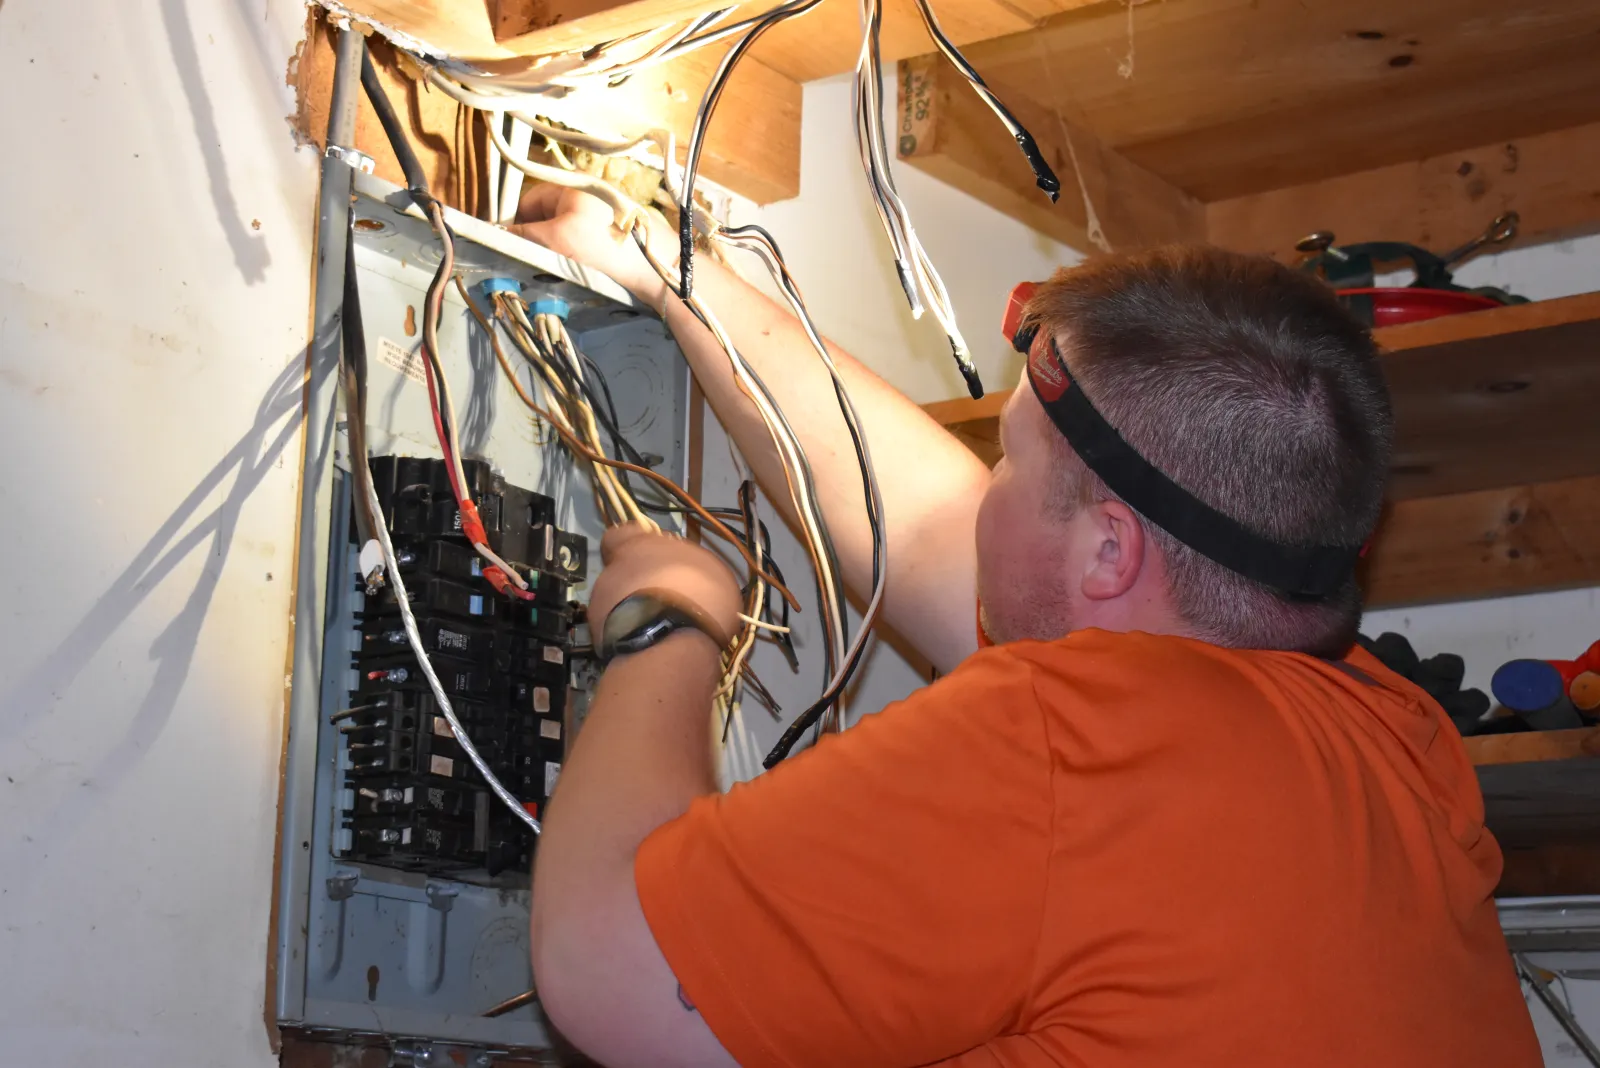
{"points": [[1109, 850]]}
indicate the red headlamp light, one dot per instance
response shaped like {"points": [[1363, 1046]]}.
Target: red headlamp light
{"points": [[1016, 311]]}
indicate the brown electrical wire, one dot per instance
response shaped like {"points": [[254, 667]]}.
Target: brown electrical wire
{"points": [[573, 443], [511, 1004]]}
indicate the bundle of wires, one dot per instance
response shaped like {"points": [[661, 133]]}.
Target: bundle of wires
{"points": [[572, 409]]}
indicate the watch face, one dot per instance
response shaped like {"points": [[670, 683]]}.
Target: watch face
{"points": [[647, 635], [636, 623]]}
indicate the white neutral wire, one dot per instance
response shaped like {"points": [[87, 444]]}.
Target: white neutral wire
{"points": [[624, 210], [768, 256], [409, 622], [789, 451], [918, 276]]}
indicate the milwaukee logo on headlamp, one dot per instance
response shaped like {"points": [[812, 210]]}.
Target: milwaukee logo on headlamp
{"points": [[1046, 372], [1305, 572]]}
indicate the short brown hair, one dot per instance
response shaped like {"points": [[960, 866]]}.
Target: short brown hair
{"points": [[1252, 388]]}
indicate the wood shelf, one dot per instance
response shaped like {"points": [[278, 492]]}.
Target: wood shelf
{"points": [[1495, 487], [1533, 746]]}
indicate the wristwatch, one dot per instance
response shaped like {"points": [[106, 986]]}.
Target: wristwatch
{"points": [[646, 618]]}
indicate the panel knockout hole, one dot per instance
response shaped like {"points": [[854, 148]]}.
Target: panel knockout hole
{"points": [[372, 983], [1509, 385], [371, 226]]}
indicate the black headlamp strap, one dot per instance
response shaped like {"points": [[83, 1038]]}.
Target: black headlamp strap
{"points": [[1304, 572]]}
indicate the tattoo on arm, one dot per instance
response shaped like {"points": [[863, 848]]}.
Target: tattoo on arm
{"points": [[683, 999]]}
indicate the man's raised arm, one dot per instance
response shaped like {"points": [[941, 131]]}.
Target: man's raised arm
{"points": [[931, 483]]}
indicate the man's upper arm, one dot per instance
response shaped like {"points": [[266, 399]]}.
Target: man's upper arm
{"points": [[875, 901]]}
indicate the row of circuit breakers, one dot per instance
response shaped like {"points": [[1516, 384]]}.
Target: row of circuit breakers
{"points": [[411, 799]]}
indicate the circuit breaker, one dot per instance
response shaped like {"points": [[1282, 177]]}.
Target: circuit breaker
{"points": [[412, 798], [403, 885]]}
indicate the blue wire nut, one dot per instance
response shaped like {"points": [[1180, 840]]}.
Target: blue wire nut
{"points": [[491, 286], [550, 306]]}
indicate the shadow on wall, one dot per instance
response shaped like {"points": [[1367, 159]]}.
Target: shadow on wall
{"points": [[249, 249], [246, 464]]}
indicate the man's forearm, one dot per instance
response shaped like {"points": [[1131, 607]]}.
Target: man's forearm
{"points": [[930, 483], [643, 756]]}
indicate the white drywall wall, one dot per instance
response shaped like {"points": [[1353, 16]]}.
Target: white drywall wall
{"points": [[155, 251]]}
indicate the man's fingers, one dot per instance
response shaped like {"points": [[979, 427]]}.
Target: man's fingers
{"points": [[539, 203]]}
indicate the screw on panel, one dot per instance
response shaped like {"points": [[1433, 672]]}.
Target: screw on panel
{"points": [[342, 885], [441, 896]]}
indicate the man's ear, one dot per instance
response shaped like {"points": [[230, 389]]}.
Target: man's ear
{"points": [[1119, 553]]}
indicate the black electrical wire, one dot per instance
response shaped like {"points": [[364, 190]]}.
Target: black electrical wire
{"points": [[708, 104], [417, 186], [353, 377], [1043, 176], [410, 166]]}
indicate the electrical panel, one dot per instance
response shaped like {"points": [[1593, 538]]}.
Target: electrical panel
{"points": [[403, 884]]}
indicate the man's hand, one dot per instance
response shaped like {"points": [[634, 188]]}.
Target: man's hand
{"points": [[581, 227], [681, 573]]}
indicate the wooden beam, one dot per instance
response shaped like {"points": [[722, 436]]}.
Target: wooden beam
{"points": [[1228, 97], [752, 148], [494, 29], [1516, 539], [1437, 203], [946, 131], [822, 43], [825, 42], [753, 143], [1533, 746], [546, 26]]}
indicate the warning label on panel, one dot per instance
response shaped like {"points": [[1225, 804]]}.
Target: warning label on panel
{"points": [[396, 356]]}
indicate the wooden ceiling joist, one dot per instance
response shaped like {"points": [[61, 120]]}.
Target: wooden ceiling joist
{"points": [[1228, 97], [946, 131], [823, 42], [827, 40]]}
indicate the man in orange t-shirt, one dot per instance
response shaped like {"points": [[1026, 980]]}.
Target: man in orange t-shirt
{"points": [[1167, 816]]}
